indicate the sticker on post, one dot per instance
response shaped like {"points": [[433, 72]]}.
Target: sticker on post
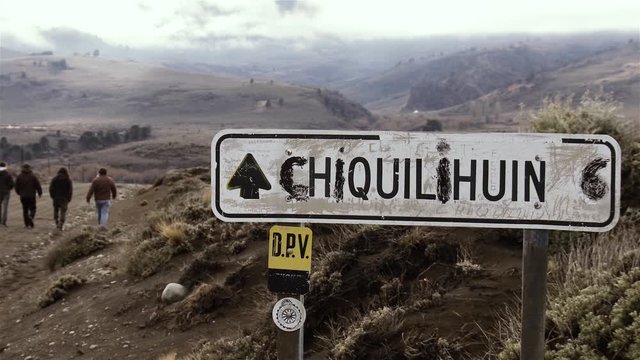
{"points": [[289, 314], [289, 259]]}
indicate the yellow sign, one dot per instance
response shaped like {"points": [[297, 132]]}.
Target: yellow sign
{"points": [[290, 248]]}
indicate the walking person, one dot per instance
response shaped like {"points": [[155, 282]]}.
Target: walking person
{"points": [[6, 184], [27, 185], [61, 191], [103, 189]]}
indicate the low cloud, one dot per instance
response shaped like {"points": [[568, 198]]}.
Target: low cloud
{"points": [[192, 24]]}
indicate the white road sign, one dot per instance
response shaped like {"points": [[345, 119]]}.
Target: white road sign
{"points": [[534, 181]]}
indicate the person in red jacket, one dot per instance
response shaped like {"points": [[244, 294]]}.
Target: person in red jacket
{"points": [[103, 189], [27, 185], [61, 191]]}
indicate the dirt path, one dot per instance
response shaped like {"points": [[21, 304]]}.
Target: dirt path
{"points": [[110, 317], [23, 272], [22, 247]]}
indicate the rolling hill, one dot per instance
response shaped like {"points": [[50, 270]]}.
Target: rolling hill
{"points": [[537, 69], [50, 89], [66, 97]]}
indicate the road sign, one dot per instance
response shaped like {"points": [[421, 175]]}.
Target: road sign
{"points": [[289, 259], [534, 181], [289, 314]]}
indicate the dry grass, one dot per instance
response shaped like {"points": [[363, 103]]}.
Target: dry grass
{"points": [[205, 299], [206, 197], [368, 331], [169, 356], [174, 233], [336, 235], [465, 262], [419, 345], [201, 268], [582, 264], [257, 345], [580, 281], [382, 334], [148, 257], [59, 288], [75, 247]]}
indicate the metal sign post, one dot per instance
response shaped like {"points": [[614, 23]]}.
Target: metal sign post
{"points": [[534, 291], [289, 266], [301, 336], [289, 343]]}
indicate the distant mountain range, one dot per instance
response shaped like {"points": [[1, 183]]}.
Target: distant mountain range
{"points": [[447, 75], [517, 73]]}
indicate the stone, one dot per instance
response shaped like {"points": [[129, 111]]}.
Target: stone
{"points": [[93, 347], [173, 292]]}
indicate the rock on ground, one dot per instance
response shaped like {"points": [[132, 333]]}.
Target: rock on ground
{"points": [[173, 292]]}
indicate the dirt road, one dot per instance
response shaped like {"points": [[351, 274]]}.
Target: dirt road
{"points": [[21, 247]]}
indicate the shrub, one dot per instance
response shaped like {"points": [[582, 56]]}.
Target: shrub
{"points": [[148, 256], [371, 331], [594, 299], [75, 247], [59, 289], [421, 345], [174, 233], [257, 345], [326, 279], [203, 300], [200, 268]]}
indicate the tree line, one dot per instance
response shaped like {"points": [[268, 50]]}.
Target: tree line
{"points": [[89, 140]]}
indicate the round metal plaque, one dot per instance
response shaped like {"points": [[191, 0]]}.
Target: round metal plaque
{"points": [[289, 314]]}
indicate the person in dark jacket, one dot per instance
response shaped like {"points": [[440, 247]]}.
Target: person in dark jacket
{"points": [[6, 184], [103, 189], [27, 185], [61, 191]]}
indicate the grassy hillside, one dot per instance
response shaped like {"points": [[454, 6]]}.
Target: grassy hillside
{"points": [[41, 95], [90, 90]]}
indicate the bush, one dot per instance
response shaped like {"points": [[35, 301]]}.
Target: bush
{"points": [[594, 299], [371, 331], [257, 345], [174, 233], [75, 247], [201, 268], [148, 256], [203, 300], [59, 289]]}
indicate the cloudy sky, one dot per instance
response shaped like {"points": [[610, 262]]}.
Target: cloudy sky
{"points": [[190, 23]]}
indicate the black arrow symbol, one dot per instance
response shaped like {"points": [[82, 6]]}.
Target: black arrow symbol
{"points": [[249, 178]]}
